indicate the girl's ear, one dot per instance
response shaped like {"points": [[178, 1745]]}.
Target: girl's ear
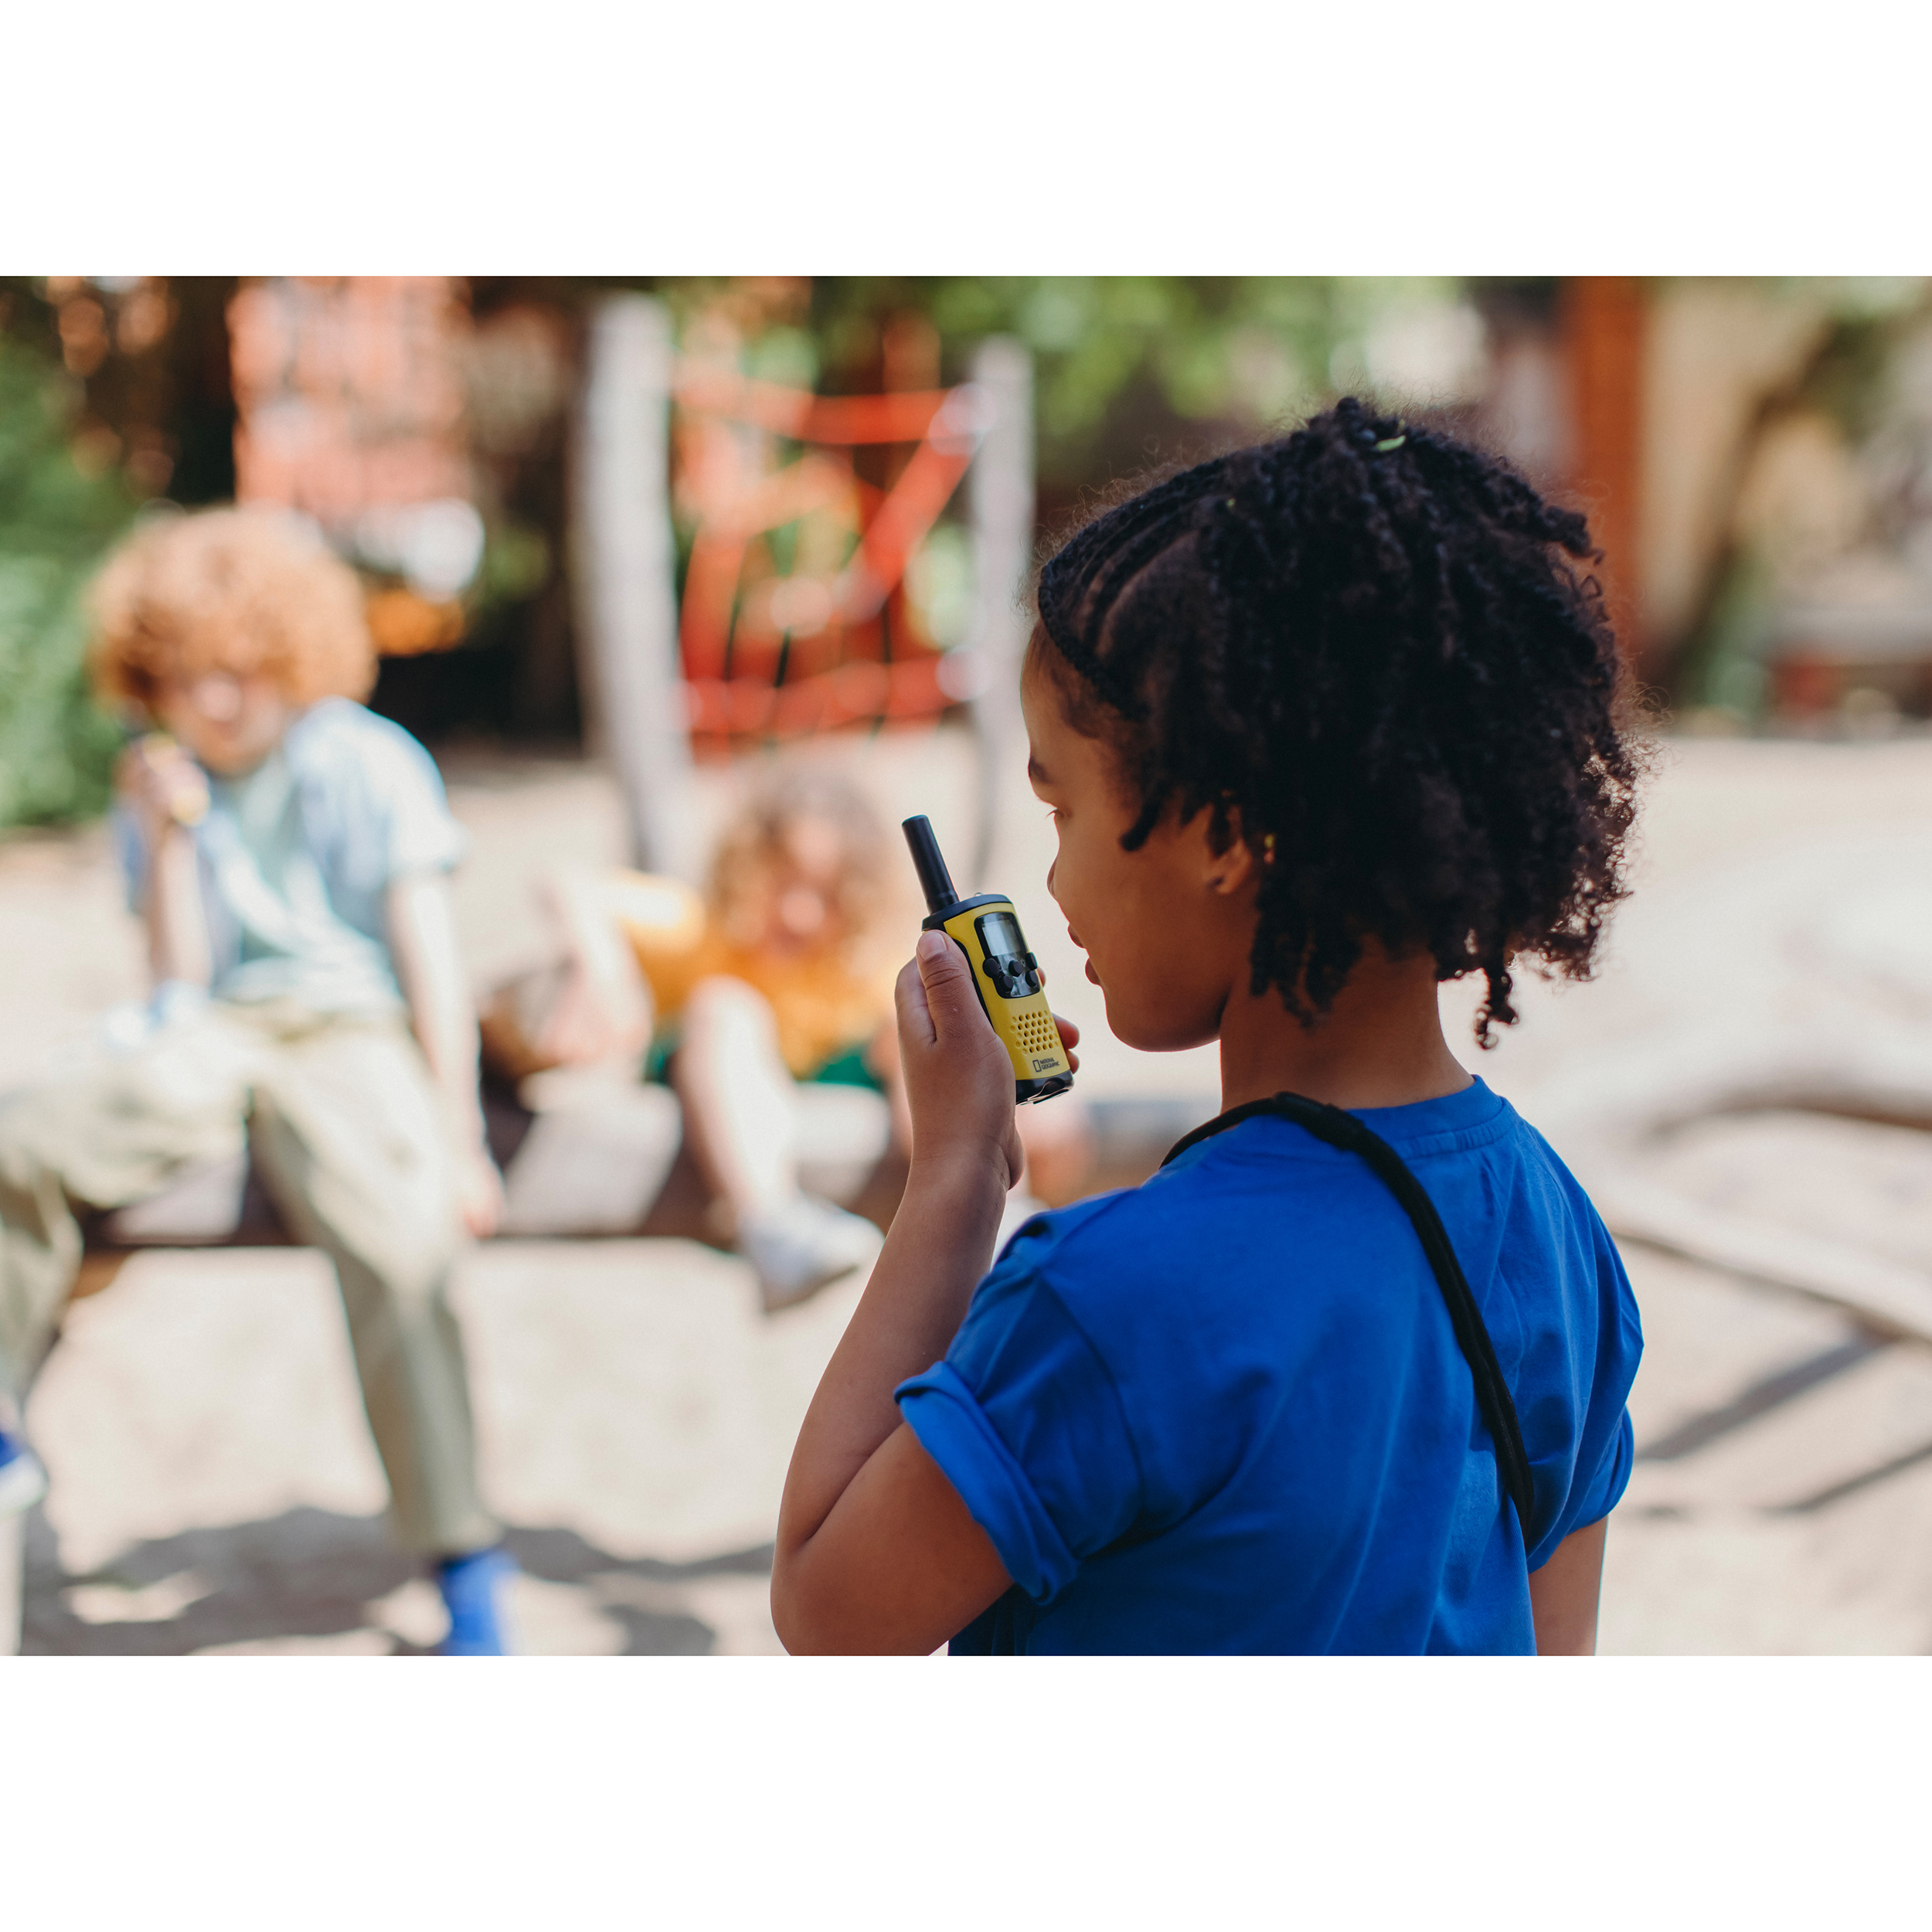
{"points": [[1231, 870]]}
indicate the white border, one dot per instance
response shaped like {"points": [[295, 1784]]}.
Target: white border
{"points": [[403, 136], [327, 1793]]}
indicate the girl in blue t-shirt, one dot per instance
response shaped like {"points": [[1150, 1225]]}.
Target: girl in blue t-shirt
{"points": [[1322, 723]]}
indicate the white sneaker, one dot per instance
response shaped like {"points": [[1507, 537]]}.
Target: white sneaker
{"points": [[23, 1481], [798, 1248]]}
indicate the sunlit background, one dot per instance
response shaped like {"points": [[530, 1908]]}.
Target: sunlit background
{"points": [[1754, 454], [805, 507]]}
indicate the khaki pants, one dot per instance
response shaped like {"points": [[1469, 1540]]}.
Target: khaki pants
{"points": [[348, 1132]]}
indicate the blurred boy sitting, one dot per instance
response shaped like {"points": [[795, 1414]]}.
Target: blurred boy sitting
{"points": [[288, 851], [779, 978]]}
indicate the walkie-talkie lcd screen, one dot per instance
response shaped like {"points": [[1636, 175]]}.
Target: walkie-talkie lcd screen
{"points": [[1000, 932]]}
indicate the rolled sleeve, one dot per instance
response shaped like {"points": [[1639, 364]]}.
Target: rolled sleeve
{"points": [[1591, 1501], [374, 807], [955, 1431], [1024, 1418]]}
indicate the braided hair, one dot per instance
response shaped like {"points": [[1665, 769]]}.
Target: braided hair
{"points": [[1368, 650]]}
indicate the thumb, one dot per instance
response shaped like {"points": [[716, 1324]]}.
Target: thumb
{"points": [[948, 981]]}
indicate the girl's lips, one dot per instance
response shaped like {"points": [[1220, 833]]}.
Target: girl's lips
{"points": [[1091, 974]]}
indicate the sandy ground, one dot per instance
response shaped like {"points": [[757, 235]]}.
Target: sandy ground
{"points": [[215, 1489]]}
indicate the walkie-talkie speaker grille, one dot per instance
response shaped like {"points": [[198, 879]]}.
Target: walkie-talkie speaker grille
{"points": [[1037, 1033]]}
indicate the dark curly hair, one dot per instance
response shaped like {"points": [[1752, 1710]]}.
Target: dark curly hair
{"points": [[1370, 648]]}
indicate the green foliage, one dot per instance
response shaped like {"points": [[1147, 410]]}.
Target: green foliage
{"points": [[1235, 350], [1128, 369], [1723, 665], [1120, 361], [516, 564], [56, 522], [1849, 370]]}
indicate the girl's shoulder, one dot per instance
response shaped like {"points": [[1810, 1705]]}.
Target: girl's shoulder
{"points": [[337, 735], [1265, 1222]]}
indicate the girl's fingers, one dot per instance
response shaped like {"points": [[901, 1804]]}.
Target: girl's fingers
{"points": [[915, 1014], [1069, 1038], [948, 983], [935, 994]]}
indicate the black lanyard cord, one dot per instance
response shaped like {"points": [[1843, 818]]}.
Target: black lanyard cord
{"points": [[1344, 1130]]}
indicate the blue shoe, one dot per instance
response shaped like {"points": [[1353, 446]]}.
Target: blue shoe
{"points": [[23, 1480], [472, 1587]]}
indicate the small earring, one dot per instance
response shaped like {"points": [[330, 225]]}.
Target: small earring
{"points": [[1268, 849]]}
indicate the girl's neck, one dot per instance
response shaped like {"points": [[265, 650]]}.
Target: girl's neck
{"points": [[1381, 1044]]}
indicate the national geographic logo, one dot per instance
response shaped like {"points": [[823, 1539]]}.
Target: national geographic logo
{"points": [[1044, 1065]]}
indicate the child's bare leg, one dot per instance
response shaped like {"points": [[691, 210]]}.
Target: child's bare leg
{"points": [[736, 1092], [604, 1008], [741, 1120]]}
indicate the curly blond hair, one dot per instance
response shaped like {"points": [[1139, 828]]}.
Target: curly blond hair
{"points": [[240, 591], [756, 837]]}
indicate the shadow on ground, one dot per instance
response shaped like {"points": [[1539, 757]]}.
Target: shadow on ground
{"points": [[311, 1574]]}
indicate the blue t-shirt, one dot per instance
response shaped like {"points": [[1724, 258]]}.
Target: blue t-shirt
{"points": [[1225, 1411], [298, 855]]}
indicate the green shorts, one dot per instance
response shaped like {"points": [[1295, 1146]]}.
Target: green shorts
{"points": [[848, 1069]]}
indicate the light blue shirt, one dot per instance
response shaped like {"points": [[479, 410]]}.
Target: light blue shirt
{"points": [[298, 855]]}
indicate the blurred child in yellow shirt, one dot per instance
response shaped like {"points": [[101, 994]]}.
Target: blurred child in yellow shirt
{"points": [[782, 972], [772, 977]]}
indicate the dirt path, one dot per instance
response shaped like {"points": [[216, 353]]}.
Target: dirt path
{"points": [[215, 1488]]}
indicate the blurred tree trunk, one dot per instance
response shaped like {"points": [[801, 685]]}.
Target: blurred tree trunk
{"points": [[1837, 372], [1603, 323]]}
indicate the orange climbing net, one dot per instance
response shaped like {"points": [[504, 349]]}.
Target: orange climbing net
{"points": [[795, 617]]}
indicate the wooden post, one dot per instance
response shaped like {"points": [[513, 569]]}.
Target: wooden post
{"points": [[1000, 504], [1603, 317], [625, 576]]}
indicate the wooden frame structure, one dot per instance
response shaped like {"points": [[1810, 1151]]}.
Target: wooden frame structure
{"points": [[774, 641]]}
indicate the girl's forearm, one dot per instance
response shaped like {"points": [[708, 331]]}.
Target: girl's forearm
{"points": [[580, 906], [177, 930], [940, 1243], [447, 1031], [1563, 1593], [422, 932]]}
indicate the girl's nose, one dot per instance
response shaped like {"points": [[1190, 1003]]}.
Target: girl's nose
{"points": [[218, 699]]}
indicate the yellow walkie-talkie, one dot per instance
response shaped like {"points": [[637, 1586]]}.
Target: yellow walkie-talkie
{"points": [[1005, 975]]}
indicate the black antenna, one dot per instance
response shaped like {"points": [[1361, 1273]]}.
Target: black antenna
{"points": [[935, 881]]}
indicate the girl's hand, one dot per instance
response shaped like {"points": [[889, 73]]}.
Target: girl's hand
{"points": [[875, 1550], [161, 785], [959, 1081]]}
